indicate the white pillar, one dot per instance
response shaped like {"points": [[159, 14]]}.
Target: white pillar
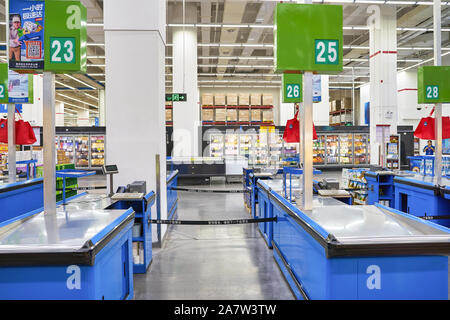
{"points": [[383, 74], [59, 109], [83, 118], [135, 38], [101, 107], [186, 115]]}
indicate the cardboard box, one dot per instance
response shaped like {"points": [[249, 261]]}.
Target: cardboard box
{"points": [[219, 99], [267, 115], [207, 114], [232, 115], [256, 115], [221, 114], [244, 99], [169, 115], [267, 99], [337, 105], [232, 99], [207, 99], [244, 115], [255, 99], [347, 103]]}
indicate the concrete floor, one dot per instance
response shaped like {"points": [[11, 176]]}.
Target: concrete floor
{"points": [[212, 262]]}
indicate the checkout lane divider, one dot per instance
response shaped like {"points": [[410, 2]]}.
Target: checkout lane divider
{"points": [[213, 222], [209, 190]]}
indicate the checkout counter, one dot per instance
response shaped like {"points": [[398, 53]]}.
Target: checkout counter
{"points": [[339, 251]]}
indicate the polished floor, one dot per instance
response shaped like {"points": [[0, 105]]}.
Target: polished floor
{"points": [[212, 262]]}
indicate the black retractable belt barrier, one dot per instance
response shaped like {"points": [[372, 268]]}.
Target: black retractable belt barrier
{"points": [[213, 222], [84, 188], [207, 190]]}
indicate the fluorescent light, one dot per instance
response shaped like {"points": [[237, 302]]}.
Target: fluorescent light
{"points": [[96, 57], [96, 65], [74, 105], [95, 44], [78, 80], [74, 99], [65, 85]]}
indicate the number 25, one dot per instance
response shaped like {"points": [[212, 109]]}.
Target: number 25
{"points": [[332, 52]]}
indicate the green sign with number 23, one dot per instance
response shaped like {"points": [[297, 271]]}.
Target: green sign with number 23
{"points": [[62, 50]]}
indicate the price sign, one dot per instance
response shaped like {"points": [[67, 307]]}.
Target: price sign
{"points": [[433, 85], [292, 88], [308, 37]]}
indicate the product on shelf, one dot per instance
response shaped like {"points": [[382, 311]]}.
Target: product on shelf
{"points": [[332, 149], [255, 99], [244, 99], [231, 115], [208, 114], [219, 99], [82, 151], [244, 115], [346, 149], [168, 114], [207, 99], [256, 115], [267, 115], [232, 99], [267, 99], [221, 114], [97, 151], [319, 150]]}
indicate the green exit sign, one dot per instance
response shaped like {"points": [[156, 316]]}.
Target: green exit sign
{"points": [[292, 88], [176, 97]]}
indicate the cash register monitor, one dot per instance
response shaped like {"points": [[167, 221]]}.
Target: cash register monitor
{"points": [[110, 169]]}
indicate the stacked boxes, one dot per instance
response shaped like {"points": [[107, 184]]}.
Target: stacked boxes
{"points": [[267, 115], [221, 114], [244, 115], [208, 114], [219, 99], [244, 99], [231, 115], [232, 99], [347, 103], [168, 114], [255, 99], [267, 99], [256, 115], [207, 99]]}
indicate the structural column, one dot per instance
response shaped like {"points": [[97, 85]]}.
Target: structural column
{"points": [[135, 86], [101, 107], [59, 121], [83, 118], [383, 74], [186, 115]]}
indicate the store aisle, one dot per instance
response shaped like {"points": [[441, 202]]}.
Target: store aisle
{"points": [[212, 262]]}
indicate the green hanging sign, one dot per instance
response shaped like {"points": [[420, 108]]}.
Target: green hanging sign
{"points": [[48, 35], [292, 88], [4, 83], [15, 88], [308, 37], [433, 84]]}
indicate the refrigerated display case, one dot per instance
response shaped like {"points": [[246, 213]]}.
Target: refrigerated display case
{"points": [[231, 145], [66, 144], [216, 145], [360, 143], [97, 151], [245, 144], [275, 148], [332, 149], [346, 148], [82, 151], [319, 150]]}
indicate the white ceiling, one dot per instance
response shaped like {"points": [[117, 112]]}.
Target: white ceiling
{"points": [[247, 59]]}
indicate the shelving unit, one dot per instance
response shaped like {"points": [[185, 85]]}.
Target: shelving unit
{"points": [[380, 188], [220, 115], [355, 182]]}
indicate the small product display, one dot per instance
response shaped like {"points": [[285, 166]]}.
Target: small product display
{"points": [[319, 150], [97, 151], [332, 149], [82, 151]]}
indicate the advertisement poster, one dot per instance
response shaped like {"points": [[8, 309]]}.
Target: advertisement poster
{"points": [[26, 35], [317, 88], [18, 87]]}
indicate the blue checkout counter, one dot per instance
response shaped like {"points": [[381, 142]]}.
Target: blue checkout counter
{"points": [[337, 251], [172, 195], [420, 196], [83, 252]]}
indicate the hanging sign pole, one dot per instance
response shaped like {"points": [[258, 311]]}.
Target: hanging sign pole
{"points": [[11, 143], [300, 46], [49, 143], [438, 108]]}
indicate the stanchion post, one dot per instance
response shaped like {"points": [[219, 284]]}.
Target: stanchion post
{"points": [[49, 143]]}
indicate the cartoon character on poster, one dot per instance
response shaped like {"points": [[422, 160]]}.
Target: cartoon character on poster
{"points": [[26, 34]]}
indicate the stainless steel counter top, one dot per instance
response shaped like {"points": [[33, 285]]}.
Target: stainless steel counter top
{"points": [[67, 231]]}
